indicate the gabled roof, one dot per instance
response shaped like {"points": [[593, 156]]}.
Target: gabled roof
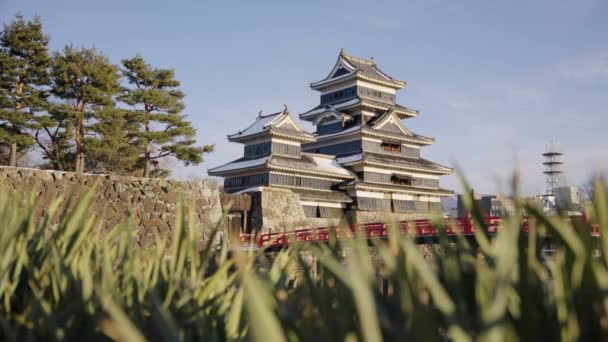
{"points": [[279, 124], [355, 103], [332, 113], [389, 124], [395, 162], [386, 126], [388, 121], [348, 67]]}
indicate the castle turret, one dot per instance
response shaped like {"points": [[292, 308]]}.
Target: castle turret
{"points": [[360, 122], [273, 157]]}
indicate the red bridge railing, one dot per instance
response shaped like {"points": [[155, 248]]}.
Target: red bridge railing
{"points": [[422, 228]]}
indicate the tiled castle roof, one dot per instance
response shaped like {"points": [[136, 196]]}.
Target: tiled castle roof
{"points": [[348, 66], [395, 162], [355, 103], [279, 124], [308, 163]]}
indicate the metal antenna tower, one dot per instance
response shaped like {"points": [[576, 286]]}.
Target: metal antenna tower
{"points": [[552, 165]]}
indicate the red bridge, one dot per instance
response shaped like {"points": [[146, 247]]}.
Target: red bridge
{"points": [[423, 229]]}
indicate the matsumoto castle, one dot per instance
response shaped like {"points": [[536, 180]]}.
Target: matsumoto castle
{"points": [[361, 163]]}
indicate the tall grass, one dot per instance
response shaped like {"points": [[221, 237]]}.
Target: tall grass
{"points": [[74, 282]]}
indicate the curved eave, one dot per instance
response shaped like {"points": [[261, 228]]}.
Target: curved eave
{"points": [[329, 82], [309, 194], [310, 172], [322, 199], [406, 113], [401, 112], [420, 191], [271, 133], [415, 140], [306, 139], [345, 133], [395, 84], [444, 171], [339, 116], [210, 172]]}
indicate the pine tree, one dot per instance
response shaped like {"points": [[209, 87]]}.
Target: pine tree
{"points": [[86, 82], [54, 135], [157, 100], [114, 149], [24, 62]]}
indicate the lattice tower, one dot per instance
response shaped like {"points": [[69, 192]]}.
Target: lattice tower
{"points": [[553, 165]]}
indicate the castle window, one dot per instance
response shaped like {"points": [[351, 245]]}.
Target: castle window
{"points": [[391, 147], [402, 180]]}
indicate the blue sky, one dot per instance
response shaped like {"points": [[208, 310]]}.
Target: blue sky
{"points": [[493, 81]]}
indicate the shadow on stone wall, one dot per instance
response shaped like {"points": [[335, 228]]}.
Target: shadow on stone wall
{"points": [[153, 202]]}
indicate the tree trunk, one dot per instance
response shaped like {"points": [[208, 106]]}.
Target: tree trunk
{"points": [[13, 150], [77, 160], [80, 143], [55, 157], [147, 161], [78, 151], [147, 150], [13, 155]]}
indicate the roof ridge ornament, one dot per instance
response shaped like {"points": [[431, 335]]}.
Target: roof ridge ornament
{"points": [[285, 109], [260, 114]]}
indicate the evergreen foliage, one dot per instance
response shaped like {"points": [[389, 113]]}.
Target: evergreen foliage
{"points": [[85, 82], [24, 62], [66, 105], [157, 102], [112, 149]]}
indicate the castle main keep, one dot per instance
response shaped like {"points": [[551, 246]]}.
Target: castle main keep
{"points": [[362, 163]]}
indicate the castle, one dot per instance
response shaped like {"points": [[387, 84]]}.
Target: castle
{"points": [[361, 163]]}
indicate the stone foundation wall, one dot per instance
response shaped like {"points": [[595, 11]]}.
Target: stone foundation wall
{"points": [[318, 222], [363, 217], [153, 202], [278, 210]]}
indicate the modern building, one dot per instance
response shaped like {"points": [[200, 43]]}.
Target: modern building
{"points": [[568, 198], [461, 208], [496, 207], [362, 161], [490, 205]]}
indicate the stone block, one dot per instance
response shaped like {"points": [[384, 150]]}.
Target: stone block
{"points": [[153, 201]]}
